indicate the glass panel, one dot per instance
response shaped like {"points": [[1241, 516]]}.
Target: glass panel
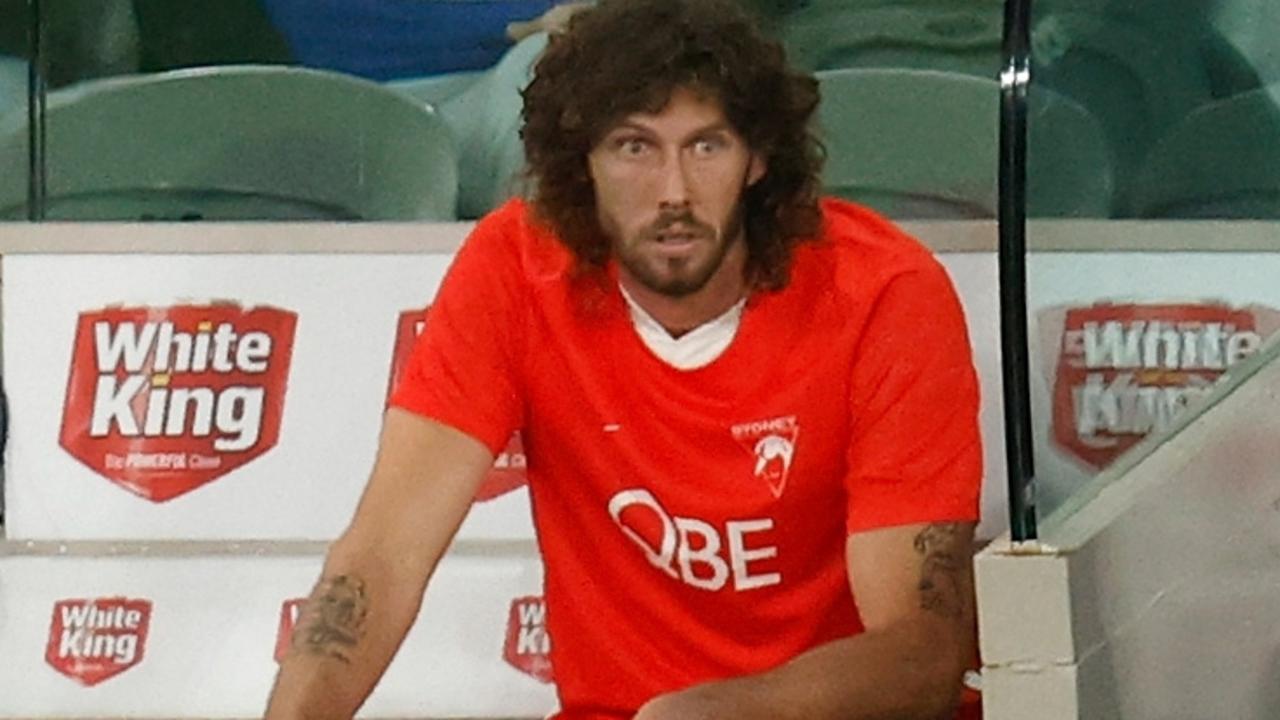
{"points": [[1148, 114], [1164, 106]]}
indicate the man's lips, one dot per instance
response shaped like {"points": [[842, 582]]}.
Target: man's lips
{"points": [[679, 232], [674, 242], [676, 236]]}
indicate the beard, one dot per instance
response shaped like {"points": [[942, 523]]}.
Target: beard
{"points": [[678, 277]]}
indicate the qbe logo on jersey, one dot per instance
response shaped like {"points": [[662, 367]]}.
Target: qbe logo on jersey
{"points": [[1127, 370], [528, 646], [162, 400], [94, 640], [508, 473]]}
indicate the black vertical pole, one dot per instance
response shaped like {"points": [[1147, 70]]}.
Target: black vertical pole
{"points": [[1015, 77], [36, 94]]}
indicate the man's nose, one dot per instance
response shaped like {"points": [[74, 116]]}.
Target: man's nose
{"points": [[674, 183]]}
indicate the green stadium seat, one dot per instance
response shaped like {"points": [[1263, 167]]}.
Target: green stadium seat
{"points": [[1250, 27], [946, 36], [236, 143], [435, 89], [13, 85], [1221, 161], [485, 118], [920, 144]]}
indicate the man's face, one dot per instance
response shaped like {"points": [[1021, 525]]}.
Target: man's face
{"points": [[669, 189]]}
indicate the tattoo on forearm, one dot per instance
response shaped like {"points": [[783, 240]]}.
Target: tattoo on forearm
{"points": [[942, 576], [333, 618]]}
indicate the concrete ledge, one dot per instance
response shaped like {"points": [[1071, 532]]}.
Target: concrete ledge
{"points": [[125, 549], [944, 236]]}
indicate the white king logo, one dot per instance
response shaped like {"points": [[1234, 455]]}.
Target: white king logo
{"points": [[161, 400], [93, 640], [773, 444], [1125, 370], [528, 646]]}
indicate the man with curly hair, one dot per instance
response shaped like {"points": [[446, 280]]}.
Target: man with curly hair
{"points": [[750, 414]]}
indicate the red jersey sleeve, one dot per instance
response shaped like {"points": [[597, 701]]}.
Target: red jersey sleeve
{"points": [[915, 454], [463, 370]]}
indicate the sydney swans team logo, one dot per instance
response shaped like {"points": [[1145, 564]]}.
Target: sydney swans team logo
{"points": [[508, 468], [773, 444], [94, 640], [528, 646], [1127, 370], [162, 400]]}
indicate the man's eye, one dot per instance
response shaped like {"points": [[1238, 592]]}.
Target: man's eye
{"points": [[632, 146], [707, 146]]}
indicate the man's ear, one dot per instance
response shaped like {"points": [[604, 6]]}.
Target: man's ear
{"points": [[757, 168]]}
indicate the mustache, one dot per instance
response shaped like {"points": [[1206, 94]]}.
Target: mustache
{"points": [[671, 218]]}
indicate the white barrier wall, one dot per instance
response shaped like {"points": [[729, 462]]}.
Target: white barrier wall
{"points": [[275, 439], [257, 421], [1153, 592], [97, 430], [194, 631]]}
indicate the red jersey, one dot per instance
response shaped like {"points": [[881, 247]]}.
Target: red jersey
{"points": [[693, 522]]}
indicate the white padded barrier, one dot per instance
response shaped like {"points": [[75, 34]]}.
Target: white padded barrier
{"points": [[336, 296]]}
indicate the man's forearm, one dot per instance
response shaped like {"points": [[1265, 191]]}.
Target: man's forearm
{"points": [[901, 673], [895, 673], [908, 665], [348, 632]]}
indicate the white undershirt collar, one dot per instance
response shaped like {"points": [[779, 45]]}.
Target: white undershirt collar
{"points": [[692, 350]]}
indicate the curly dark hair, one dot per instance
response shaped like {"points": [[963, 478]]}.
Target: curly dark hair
{"points": [[628, 56]]}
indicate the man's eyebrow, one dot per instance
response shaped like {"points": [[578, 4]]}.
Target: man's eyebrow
{"points": [[628, 125], [717, 128], [634, 126]]}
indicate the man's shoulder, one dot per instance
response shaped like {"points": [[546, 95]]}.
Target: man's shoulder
{"points": [[864, 250], [513, 240], [852, 229]]}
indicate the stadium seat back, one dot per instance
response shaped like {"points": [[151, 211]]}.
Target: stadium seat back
{"points": [[13, 85], [236, 143], [923, 144], [961, 38], [435, 89], [1070, 164], [485, 119], [1222, 161]]}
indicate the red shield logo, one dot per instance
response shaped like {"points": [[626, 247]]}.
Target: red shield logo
{"points": [[161, 400], [1124, 371], [528, 646], [772, 443], [94, 640], [408, 327], [290, 611], [508, 471]]}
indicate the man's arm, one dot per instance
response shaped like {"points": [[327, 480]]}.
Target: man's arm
{"points": [[914, 587], [369, 592]]}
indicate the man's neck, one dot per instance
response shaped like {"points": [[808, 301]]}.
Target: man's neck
{"points": [[679, 315]]}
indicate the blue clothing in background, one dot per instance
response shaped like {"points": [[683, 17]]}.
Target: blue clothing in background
{"points": [[388, 39]]}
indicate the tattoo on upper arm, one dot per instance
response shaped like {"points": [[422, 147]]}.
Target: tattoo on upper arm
{"points": [[333, 619], [942, 583]]}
